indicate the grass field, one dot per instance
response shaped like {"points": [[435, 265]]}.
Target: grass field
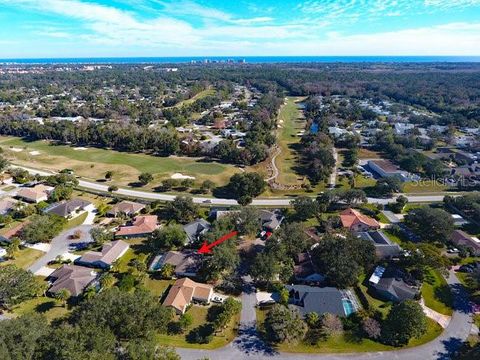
{"points": [[349, 344], [24, 258], [436, 293], [49, 307], [93, 163], [200, 95], [199, 314]]}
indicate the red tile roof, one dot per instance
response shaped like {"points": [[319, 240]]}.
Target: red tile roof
{"points": [[144, 224], [351, 217]]}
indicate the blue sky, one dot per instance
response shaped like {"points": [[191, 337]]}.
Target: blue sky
{"points": [[98, 28]]}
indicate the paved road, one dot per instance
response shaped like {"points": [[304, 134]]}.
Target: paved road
{"points": [[248, 346], [333, 176], [59, 246], [282, 202]]}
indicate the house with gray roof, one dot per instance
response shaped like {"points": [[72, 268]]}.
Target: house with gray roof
{"points": [[186, 262], [69, 208], [384, 248], [195, 229], [271, 220], [104, 259], [390, 283], [72, 278], [319, 300]]}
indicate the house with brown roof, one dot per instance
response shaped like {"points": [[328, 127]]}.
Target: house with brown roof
{"points": [[142, 225], [305, 270], [35, 194], [104, 259], [186, 262], [185, 291], [15, 231], [72, 278], [356, 222], [128, 208], [460, 237]]}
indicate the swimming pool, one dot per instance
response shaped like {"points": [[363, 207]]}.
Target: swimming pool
{"points": [[348, 307]]}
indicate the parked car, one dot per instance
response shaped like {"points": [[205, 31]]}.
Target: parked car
{"points": [[218, 299]]}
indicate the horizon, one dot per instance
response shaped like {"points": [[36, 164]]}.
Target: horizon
{"points": [[34, 29]]}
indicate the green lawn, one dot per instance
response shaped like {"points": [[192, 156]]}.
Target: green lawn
{"points": [[423, 187], [49, 307], [77, 221], [436, 293], [25, 257], [200, 95], [347, 344], [374, 302], [93, 163], [157, 287], [199, 314]]}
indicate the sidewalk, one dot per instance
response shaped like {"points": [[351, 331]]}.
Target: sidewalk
{"points": [[441, 319]]}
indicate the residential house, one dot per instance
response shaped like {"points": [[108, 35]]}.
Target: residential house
{"points": [[128, 208], [142, 225], [6, 179], [357, 222], [105, 258], [69, 208], [13, 232], [390, 284], [319, 300], [271, 220], [460, 237], [35, 194], [384, 248], [305, 270], [195, 229], [385, 168], [186, 262], [458, 220], [72, 278], [7, 205], [185, 291]]}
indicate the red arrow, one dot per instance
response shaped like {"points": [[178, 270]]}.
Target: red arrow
{"points": [[207, 248]]}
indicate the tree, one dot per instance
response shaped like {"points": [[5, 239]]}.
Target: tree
{"points": [[42, 228], [290, 240], [207, 186], [13, 247], [312, 319], [168, 237], [101, 235], [145, 178], [167, 271], [399, 204], [405, 321], [305, 207], [19, 337], [343, 258], [148, 349], [264, 267], [109, 175], [4, 163], [16, 285], [63, 295], [112, 188], [372, 328], [61, 192], [331, 324], [283, 324], [248, 221], [388, 186], [430, 224], [107, 280], [246, 186], [182, 209]]}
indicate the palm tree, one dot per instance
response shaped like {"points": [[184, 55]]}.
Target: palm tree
{"points": [[90, 293], [107, 281], [13, 248], [115, 267], [63, 295]]}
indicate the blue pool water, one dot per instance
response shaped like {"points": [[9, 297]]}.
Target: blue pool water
{"points": [[348, 307]]}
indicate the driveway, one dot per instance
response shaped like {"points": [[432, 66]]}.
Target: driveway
{"points": [[59, 246], [390, 215], [248, 345]]}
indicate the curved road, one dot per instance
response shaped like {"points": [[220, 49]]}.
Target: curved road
{"points": [[248, 345], [282, 202]]}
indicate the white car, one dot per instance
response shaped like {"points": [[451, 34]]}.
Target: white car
{"points": [[218, 299]]}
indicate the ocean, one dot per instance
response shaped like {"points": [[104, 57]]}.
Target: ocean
{"points": [[247, 59]]}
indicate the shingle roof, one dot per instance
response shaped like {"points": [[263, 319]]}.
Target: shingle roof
{"points": [[73, 278], [126, 207], [65, 208], [196, 228], [110, 252], [186, 261], [34, 193], [316, 299]]}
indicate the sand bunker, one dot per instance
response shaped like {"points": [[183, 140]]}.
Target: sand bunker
{"points": [[80, 148], [178, 176], [16, 149], [34, 153]]}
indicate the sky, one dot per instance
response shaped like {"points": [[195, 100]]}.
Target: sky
{"points": [[124, 28]]}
